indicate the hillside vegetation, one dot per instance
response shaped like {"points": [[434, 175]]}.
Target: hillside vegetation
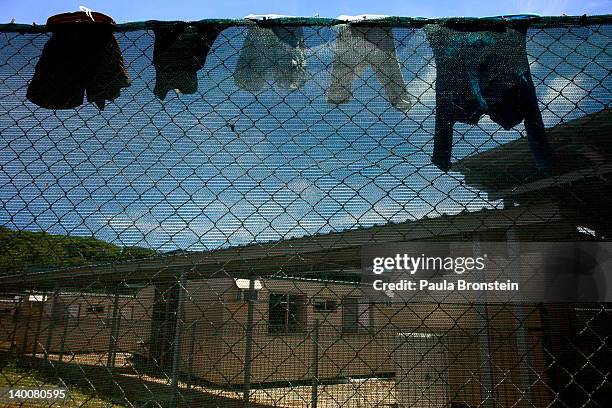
{"points": [[26, 250]]}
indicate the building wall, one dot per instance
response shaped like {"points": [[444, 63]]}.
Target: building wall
{"points": [[219, 341], [214, 338], [80, 323]]}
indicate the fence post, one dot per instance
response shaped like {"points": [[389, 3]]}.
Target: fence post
{"points": [[547, 346], [522, 343], [315, 364], [191, 347], [112, 340], [248, 347], [51, 324], [178, 338], [488, 387]]}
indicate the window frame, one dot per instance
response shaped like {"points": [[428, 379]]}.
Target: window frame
{"points": [[292, 322], [95, 309], [327, 303], [242, 295], [361, 322]]}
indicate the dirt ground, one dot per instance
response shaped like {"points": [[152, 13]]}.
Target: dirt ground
{"points": [[360, 393], [128, 382], [367, 393]]}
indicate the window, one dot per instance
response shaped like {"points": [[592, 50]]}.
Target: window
{"points": [[324, 305], [286, 314], [355, 316], [95, 309]]}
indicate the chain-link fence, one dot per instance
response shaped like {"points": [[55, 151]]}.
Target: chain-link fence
{"points": [[191, 233]]}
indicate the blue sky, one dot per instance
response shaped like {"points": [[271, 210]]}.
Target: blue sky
{"points": [[225, 166], [173, 174], [28, 11]]}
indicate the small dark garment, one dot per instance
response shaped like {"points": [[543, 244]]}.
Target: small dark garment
{"points": [[484, 73], [81, 56], [179, 53]]}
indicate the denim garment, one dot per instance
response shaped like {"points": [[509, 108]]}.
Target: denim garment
{"points": [[484, 73]]}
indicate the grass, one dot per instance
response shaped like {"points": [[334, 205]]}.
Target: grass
{"points": [[13, 376], [95, 386]]}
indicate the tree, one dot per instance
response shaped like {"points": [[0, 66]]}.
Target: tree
{"points": [[25, 250]]}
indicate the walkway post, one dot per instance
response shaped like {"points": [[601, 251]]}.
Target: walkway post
{"points": [[63, 338], [114, 333], [26, 333], [488, 386], [191, 347], [248, 349], [51, 324], [522, 336], [41, 310], [315, 364], [178, 337], [16, 323]]}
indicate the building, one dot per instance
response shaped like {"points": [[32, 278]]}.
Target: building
{"points": [[70, 322]]}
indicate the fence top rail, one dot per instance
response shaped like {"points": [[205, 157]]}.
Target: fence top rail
{"points": [[475, 23]]}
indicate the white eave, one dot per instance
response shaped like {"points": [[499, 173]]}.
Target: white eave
{"points": [[245, 284]]}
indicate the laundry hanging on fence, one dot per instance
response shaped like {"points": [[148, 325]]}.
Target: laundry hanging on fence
{"points": [[178, 54], [360, 47], [272, 54], [82, 56], [484, 73]]}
